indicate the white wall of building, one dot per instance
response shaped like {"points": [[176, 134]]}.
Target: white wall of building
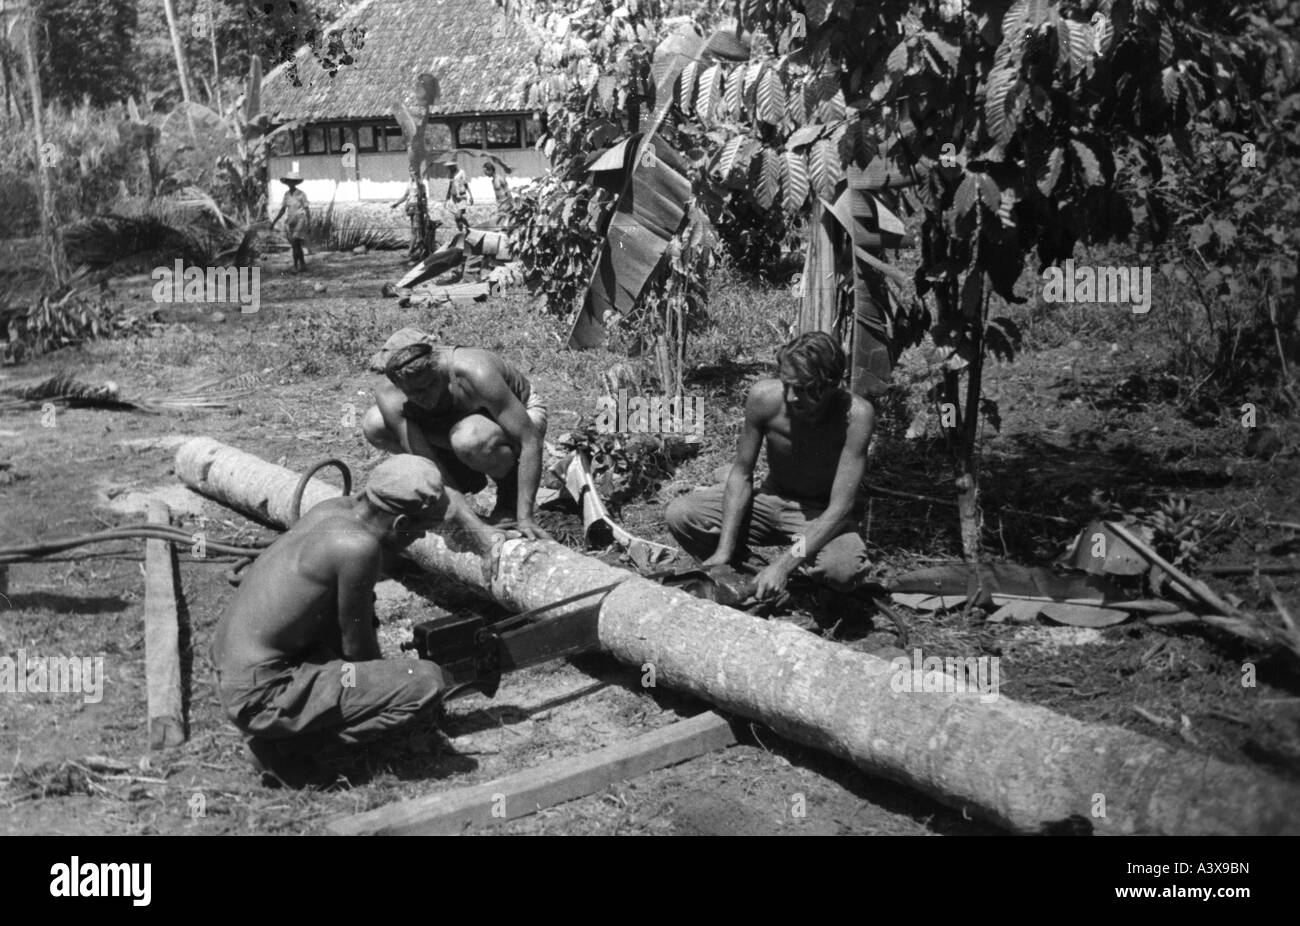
{"points": [[382, 176]]}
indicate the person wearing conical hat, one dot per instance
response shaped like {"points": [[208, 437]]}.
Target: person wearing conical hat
{"points": [[296, 209]]}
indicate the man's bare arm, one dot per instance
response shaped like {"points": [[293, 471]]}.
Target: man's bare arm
{"points": [[459, 514], [392, 406], [513, 418], [739, 493], [848, 477]]}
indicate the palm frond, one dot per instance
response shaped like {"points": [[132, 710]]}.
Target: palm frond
{"points": [[121, 241]]}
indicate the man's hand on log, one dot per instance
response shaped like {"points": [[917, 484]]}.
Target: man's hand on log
{"points": [[492, 556], [531, 531], [771, 581]]}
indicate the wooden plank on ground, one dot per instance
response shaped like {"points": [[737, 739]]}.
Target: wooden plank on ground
{"points": [[551, 783], [162, 637]]}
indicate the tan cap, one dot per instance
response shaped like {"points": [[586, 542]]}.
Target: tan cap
{"points": [[405, 484], [399, 339]]}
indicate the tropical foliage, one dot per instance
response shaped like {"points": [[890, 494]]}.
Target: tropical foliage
{"points": [[1017, 128]]}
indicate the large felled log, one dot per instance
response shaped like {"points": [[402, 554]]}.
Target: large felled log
{"points": [[1018, 765]]}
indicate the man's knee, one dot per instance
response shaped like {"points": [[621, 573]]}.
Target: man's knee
{"points": [[424, 681], [843, 562], [479, 442], [375, 430], [678, 515], [393, 688]]}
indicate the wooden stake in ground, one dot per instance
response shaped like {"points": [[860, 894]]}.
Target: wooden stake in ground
{"points": [[1020, 766], [162, 637], [534, 789]]}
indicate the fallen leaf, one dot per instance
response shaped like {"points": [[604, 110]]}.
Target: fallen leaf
{"points": [[1016, 611], [1082, 615], [923, 602]]}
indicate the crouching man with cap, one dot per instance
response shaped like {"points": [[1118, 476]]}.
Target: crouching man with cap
{"points": [[296, 655], [471, 411]]}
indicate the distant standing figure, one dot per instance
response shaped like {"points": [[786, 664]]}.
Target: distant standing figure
{"points": [[458, 193], [297, 212], [421, 234], [500, 186]]}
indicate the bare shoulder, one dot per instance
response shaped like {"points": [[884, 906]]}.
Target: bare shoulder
{"points": [[475, 358], [480, 368], [765, 400], [389, 396], [861, 422], [861, 411], [337, 533]]}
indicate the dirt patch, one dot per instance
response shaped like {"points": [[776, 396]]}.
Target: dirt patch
{"points": [[1060, 450]]}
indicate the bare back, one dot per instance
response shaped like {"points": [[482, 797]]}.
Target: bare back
{"points": [[288, 600]]}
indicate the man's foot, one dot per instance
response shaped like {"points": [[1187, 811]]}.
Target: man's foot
{"points": [[279, 768]]}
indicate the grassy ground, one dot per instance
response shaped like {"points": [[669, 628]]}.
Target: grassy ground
{"points": [[1067, 447]]}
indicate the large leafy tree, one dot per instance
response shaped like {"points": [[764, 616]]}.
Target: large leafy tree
{"points": [[86, 49], [1013, 129]]}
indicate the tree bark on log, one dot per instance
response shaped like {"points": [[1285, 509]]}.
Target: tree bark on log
{"points": [[1020, 766]]}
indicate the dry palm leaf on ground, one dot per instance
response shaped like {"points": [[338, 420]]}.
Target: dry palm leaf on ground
{"points": [[1107, 593], [67, 390]]}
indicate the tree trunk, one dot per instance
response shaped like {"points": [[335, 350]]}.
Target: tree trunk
{"points": [[51, 232], [216, 61], [968, 465], [170, 9], [1020, 766]]}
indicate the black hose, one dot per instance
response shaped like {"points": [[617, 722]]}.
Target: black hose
{"points": [[36, 551], [234, 575], [295, 504]]}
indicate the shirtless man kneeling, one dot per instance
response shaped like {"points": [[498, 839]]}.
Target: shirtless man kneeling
{"points": [[816, 433], [469, 410], [297, 660]]}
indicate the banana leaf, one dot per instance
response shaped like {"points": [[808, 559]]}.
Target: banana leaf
{"points": [[649, 212]]}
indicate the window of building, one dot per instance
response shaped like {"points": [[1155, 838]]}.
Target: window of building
{"points": [[469, 135], [503, 133], [437, 136], [532, 131], [392, 137], [366, 138], [338, 136], [282, 144], [313, 140]]}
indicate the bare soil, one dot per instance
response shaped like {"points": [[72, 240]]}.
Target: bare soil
{"points": [[1062, 442]]}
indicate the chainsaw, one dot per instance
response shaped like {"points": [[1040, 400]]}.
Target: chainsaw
{"points": [[474, 653]]}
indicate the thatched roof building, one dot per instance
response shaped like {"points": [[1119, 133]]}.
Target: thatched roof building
{"points": [[481, 59]]}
